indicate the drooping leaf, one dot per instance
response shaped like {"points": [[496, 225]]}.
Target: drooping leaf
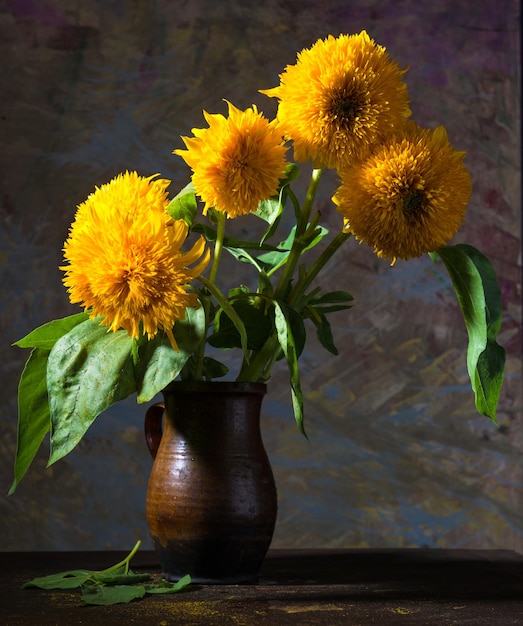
{"points": [[286, 341], [479, 297], [184, 205], [324, 333], [34, 420], [47, 335], [158, 364], [82, 381]]}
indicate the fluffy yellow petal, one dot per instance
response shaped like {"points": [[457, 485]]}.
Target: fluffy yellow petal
{"points": [[125, 258], [409, 197], [342, 97], [237, 162]]}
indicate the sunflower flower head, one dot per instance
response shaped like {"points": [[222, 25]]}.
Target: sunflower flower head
{"points": [[125, 258], [409, 197], [237, 161], [342, 97]]}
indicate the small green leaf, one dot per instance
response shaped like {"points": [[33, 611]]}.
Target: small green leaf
{"points": [[34, 420], [82, 381], [275, 259], [47, 335], [184, 205], [324, 332], [286, 341], [479, 296], [167, 587], [332, 297], [213, 368]]}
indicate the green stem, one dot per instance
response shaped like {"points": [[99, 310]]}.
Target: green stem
{"points": [[261, 362], [317, 266], [125, 561], [200, 352], [205, 301], [301, 227], [218, 245], [256, 369]]}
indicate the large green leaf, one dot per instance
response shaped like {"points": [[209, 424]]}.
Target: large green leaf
{"points": [[47, 335], [158, 364], [33, 413], [477, 289], [88, 370], [286, 341]]}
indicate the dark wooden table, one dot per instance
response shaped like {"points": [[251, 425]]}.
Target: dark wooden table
{"points": [[297, 587]]}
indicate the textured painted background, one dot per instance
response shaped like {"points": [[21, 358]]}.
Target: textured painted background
{"points": [[397, 454]]}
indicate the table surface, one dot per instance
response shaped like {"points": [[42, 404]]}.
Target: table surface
{"points": [[296, 587]]}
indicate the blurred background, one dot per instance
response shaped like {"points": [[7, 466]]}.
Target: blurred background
{"points": [[397, 455]]}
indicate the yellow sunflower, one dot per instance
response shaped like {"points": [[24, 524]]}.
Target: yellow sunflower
{"points": [[237, 162], [409, 197], [125, 259], [343, 96]]}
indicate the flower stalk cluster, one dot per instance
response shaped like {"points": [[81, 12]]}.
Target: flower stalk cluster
{"points": [[153, 303]]}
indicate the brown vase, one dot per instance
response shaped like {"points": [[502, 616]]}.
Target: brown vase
{"points": [[211, 501]]}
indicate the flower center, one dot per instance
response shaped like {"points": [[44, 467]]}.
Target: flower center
{"points": [[413, 202], [346, 107]]}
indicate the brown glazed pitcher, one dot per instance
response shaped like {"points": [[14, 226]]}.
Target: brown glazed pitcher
{"points": [[211, 501]]}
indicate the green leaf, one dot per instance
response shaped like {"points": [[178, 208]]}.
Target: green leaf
{"points": [[114, 585], [229, 311], [332, 297], [158, 364], [270, 210], [258, 327], [47, 335], [286, 341], [88, 370], [93, 593], [184, 205], [324, 333], [479, 296], [167, 587], [230, 242], [34, 420], [64, 580], [213, 368], [275, 259]]}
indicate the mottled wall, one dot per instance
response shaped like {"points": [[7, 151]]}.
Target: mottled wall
{"points": [[397, 454]]}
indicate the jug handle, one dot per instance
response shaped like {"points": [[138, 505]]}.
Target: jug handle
{"points": [[154, 427]]}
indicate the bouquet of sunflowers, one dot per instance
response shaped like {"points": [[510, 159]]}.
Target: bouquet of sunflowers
{"points": [[146, 268]]}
